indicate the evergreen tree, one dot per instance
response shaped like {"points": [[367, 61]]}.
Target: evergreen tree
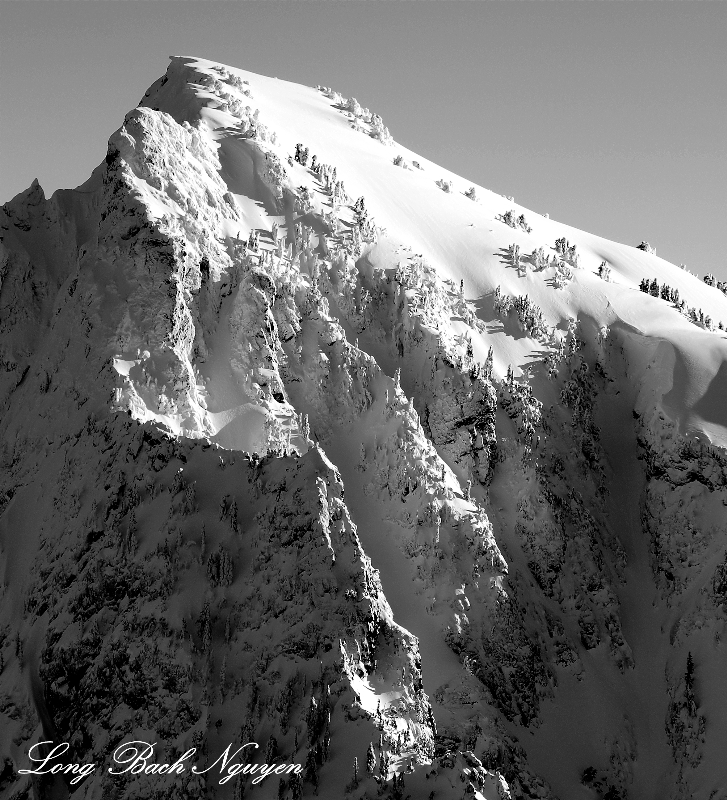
{"points": [[311, 768], [296, 784], [370, 759], [539, 259], [271, 750], [487, 368], [689, 698]]}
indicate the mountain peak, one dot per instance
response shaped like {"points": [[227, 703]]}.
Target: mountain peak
{"points": [[311, 443]]}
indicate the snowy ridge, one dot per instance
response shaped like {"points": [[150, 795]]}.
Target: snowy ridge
{"points": [[260, 300]]}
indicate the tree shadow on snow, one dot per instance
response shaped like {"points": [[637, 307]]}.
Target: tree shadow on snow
{"points": [[485, 310], [505, 256]]}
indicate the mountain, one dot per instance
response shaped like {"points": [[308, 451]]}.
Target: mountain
{"points": [[312, 446]]}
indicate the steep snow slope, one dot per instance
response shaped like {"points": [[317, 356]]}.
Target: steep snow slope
{"points": [[462, 240], [209, 341]]}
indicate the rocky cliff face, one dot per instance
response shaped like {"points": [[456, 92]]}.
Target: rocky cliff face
{"points": [[272, 476]]}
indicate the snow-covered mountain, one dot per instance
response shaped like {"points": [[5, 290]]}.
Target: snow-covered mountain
{"points": [[310, 443]]}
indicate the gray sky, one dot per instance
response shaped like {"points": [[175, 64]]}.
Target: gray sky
{"points": [[611, 117]]}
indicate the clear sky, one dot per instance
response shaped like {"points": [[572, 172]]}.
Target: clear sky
{"points": [[611, 117]]}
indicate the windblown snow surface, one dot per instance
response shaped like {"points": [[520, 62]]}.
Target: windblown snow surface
{"points": [[325, 455]]}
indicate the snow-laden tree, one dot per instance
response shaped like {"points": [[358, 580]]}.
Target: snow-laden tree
{"points": [[563, 275], [379, 131], [512, 219], [539, 259], [370, 759]]}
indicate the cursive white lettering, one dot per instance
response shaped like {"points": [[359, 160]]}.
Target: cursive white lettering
{"points": [[134, 757], [81, 771], [225, 757]]}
